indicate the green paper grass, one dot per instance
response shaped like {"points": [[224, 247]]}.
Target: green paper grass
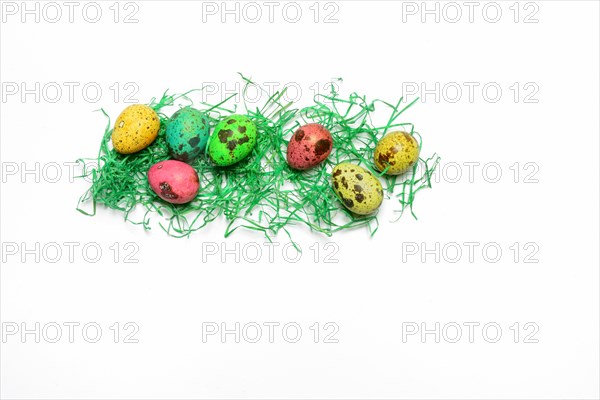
{"points": [[261, 192]]}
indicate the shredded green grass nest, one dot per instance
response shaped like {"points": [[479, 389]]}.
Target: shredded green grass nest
{"points": [[261, 192]]}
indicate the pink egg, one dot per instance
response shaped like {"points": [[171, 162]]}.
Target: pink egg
{"points": [[309, 146], [174, 181]]}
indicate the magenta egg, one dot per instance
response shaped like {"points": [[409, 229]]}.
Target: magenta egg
{"points": [[174, 181], [309, 146]]}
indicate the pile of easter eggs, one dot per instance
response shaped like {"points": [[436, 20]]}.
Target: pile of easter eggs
{"points": [[188, 136]]}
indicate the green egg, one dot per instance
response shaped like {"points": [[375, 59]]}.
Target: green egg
{"points": [[232, 140], [187, 134]]}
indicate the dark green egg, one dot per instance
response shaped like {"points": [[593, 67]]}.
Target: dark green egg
{"points": [[187, 134]]}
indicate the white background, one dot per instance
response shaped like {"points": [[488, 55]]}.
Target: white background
{"points": [[376, 285]]}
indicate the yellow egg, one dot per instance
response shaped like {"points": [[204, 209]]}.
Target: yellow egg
{"points": [[399, 150], [358, 189], [135, 129]]}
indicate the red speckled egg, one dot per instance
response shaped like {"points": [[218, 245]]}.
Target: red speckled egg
{"points": [[174, 181], [309, 146]]}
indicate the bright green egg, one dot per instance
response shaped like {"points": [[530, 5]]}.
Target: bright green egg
{"points": [[187, 134], [232, 140]]}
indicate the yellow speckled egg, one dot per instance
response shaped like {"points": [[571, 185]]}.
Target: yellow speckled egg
{"points": [[135, 129], [358, 189], [399, 150]]}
